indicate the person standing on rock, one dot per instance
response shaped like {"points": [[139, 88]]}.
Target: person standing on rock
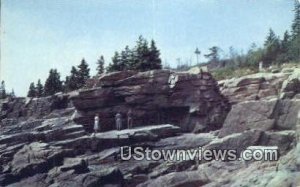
{"points": [[118, 118], [129, 119], [96, 124]]}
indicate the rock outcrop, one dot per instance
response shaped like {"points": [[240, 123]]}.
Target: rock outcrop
{"points": [[41, 145], [266, 115], [284, 84], [190, 101]]}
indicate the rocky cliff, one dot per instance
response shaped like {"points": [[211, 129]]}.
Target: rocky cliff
{"points": [[46, 141], [191, 101]]}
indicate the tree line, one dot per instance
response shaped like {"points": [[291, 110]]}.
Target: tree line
{"points": [[275, 51], [142, 57], [3, 93]]}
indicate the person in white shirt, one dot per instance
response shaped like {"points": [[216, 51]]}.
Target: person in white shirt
{"points": [[96, 124]]}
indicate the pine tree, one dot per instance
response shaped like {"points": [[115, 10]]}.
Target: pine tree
{"points": [[12, 94], [53, 83], [115, 64], [142, 55], [285, 45], [32, 90], [39, 89], [213, 56], [294, 51], [272, 48], [126, 59], [100, 65], [296, 21], [71, 82], [2, 90], [83, 73], [155, 61]]}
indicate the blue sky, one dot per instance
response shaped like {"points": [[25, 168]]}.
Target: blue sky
{"points": [[37, 35]]}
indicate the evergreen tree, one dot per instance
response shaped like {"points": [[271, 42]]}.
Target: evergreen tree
{"points": [[294, 50], [53, 83], [83, 73], [32, 90], [254, 56], [285, 45], [126, 59], [12, 94], [142, 55], [214, 55], [272, 48], [39, 89], [2, 90], [100, 65], [71, 82], [296, 21], [115, 65], [155, 61]]}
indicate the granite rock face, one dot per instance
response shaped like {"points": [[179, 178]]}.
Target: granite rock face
{"points": [[190, 101], [272, 114], [284, 84], [24, 108], [41, 145]]}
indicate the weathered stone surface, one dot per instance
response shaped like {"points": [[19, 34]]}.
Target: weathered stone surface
{"points": [[283, 139], [156, 97], [186, 141], [292, 84], [23, 108], [115, 138], [250, 115], [47, 148], [287, 112], [273, 114], [35, 158], [187, 178], [238, 141], [108, 176], [253, 87]]}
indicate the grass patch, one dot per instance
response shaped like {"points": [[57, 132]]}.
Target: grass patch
{"points": [[228, 73]]}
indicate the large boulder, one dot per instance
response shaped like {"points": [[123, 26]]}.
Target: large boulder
{"points": [[273, 114], [250, 115]]}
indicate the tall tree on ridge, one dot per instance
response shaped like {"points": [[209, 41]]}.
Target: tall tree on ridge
{"points": [[83, 73], [100, 65], [296, 21], [39, 89], [32, 90], [214, 55], [53, 83], [154, 57], [71, 82], [2, 90], [115, 64], [272, 48], [295, 42]]}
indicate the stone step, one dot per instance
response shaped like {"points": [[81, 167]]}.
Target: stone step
{"points": [[74, 134]]}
